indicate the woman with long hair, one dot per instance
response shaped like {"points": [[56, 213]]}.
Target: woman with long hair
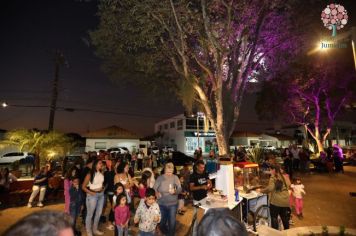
{"points": [[6, 178], [278, 187], [70, 175], [93, 185], [123, 176]]}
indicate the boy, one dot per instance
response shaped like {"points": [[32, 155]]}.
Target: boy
{"points": [[148, 214], [76, 199]]}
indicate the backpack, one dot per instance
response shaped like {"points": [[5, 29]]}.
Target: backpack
{"points": [[278, 185]]}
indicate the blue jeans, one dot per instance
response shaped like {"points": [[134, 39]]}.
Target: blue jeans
{"points": [[95, 204], [142, 233], [74, 210], [168, 219], [122, 231]]}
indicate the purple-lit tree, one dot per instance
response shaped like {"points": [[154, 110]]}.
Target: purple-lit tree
{"points": [[309, 95], [207, 50]]}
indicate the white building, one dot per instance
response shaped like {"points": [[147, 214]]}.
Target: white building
{"points": [[109, 137], [251, 139], [342, 133], [244, 138], [182, 133]]}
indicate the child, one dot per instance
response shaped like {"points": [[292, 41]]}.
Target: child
{"points": [[122, 215], [182, 196], [298, 191], [144, 183], [148, 214], [76, 198], [118, 190]]}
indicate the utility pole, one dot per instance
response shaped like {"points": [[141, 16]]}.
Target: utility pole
{"points": [[59, 60]]}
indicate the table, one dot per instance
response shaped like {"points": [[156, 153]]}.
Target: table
{"points": [[220, 204]]}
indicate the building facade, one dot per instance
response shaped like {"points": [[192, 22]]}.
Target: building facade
{"points": [[184, 134], [110, 137]]}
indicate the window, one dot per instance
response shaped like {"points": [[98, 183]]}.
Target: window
{"points": [[172, 124], [160, 127], [166, 126], [14, 154], [100, 145], [191, 123], [191, 144], [179, 124]]}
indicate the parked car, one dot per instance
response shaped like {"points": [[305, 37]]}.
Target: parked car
{"points": [[180, 159], [15, 156], [269, 147], [167, 149], [155, 150], [121, 150], [69, 161]]}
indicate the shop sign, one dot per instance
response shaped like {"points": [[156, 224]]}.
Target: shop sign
{"points": [[201, 134]]}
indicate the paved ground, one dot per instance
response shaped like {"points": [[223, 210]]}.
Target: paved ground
{"points": [[327, 203]]}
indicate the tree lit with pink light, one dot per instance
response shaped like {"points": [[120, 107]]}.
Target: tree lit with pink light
{"points": [[207, 50]]}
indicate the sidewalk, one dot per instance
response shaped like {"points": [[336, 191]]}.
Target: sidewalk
{"points": [[327, 203]]}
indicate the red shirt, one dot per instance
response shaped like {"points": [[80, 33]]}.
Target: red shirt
{"points": [[122, 215]]}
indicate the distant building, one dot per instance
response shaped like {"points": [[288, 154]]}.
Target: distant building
{"points": [[244, 138], [342, 133], [109, 137], [182, 133], [276, 140], [252, 139]]}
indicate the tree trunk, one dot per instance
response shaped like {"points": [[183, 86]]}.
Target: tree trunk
{"points": [[37, 162], [222, 144], [320, 145]]}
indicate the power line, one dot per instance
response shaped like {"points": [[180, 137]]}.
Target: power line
{"points": [[160, 116]]}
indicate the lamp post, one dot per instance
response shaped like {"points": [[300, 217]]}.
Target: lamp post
{"points": [[199, 114], [349, 35]]}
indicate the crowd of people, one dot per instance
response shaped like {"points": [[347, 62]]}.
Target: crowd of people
{"points": [[153, 199], [105, 193]]}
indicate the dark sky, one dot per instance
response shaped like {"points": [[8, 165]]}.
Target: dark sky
{"points": [[30, 32]]}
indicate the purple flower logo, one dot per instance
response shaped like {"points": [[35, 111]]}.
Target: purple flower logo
{"points": [[334, 17]]}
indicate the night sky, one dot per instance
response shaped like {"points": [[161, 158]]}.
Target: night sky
{"points": [[30, 32]]}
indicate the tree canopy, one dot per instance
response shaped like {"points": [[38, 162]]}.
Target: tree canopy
{"points": [[206, 51], [312, 94], [42, 143]]}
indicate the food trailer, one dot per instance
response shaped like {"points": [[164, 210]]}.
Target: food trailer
{"points": [[247, 178]]}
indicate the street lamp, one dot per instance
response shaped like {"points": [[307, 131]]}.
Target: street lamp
{"points": [[199, 114], [4, 104], [323, 45]]}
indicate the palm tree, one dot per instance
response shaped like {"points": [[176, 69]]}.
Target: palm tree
{"points": [[43, 144]]}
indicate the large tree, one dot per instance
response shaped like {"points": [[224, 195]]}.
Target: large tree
{"points": [[312, 94], [206, 50], [42, 143]]}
